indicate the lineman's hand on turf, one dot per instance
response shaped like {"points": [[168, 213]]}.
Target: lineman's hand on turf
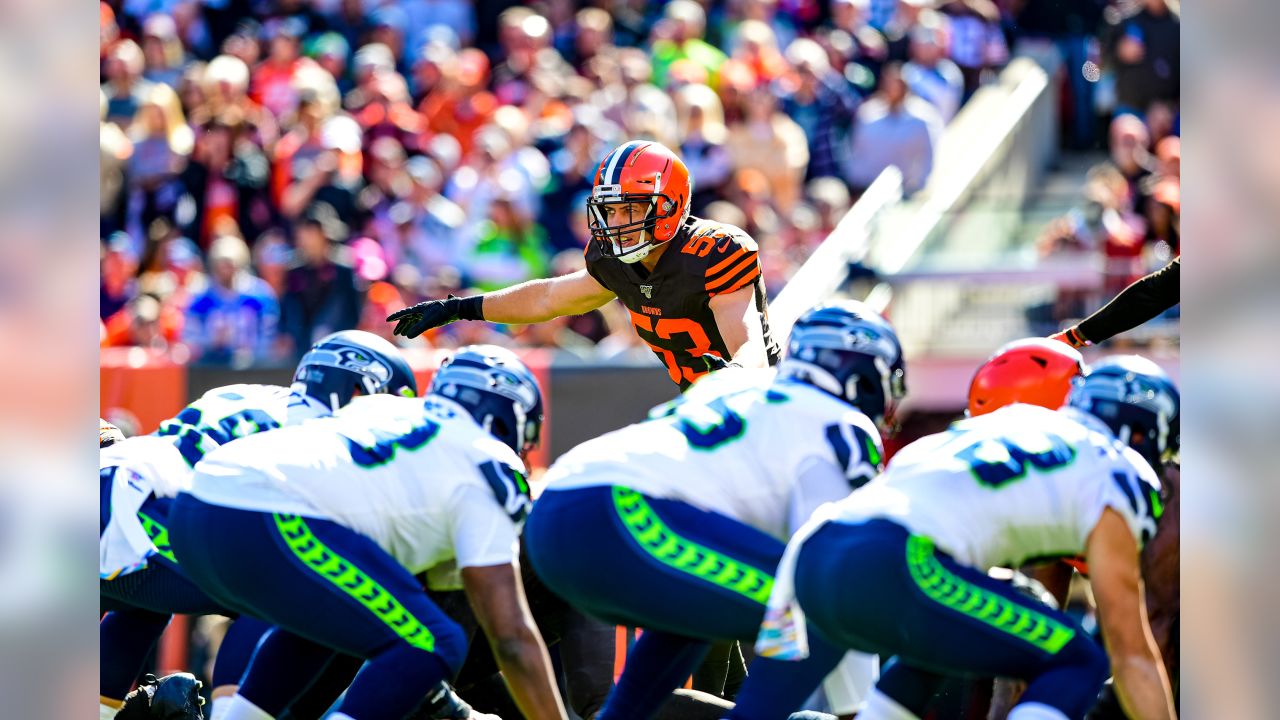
{"points": [[413, 321]]}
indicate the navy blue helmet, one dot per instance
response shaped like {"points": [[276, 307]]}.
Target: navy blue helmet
{"points": [[497, 389], [334, 368], [1136, 399], [845, 348]]}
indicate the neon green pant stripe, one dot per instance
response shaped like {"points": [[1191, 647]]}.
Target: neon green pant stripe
{"points": [[159, 535], [687, 556], [346, 576], [946, 588]]}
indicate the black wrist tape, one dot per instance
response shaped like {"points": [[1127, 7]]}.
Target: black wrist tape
{"points": [[471, 308]]}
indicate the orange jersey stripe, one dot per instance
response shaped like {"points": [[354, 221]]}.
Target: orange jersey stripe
{"points": [[727, 276], [725, 263], [749, 278]]}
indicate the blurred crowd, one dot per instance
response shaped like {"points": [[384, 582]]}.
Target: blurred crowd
{"points": [[1130, 208], [275, 170]]}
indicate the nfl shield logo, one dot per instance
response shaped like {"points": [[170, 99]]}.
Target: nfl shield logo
{"points": [[647, 290]]}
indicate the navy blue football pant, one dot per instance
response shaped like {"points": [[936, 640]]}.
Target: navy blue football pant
{"points": [[688, 577], [140, 604], [877, 588], [327, 590]]}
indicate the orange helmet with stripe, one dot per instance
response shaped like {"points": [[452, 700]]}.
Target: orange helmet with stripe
{"points": [[1036, 371], [639, 200], [108, 434]]}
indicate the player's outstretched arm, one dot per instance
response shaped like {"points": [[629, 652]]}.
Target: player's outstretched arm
{"points": [[1140, 678], [529, 302], [497, 597], [1146, 298], [738, 320]]}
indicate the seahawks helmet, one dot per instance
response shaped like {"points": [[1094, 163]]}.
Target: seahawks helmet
{"points": [[845, 348], [496, 388], [1137, 400], [334, 368]]}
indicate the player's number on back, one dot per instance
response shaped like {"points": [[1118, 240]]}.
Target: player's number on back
{"points": [[709, 425], [995, 462], [377, 447], [190, 429]]}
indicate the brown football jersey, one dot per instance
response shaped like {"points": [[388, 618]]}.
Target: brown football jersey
{"points": [[671, 304]]}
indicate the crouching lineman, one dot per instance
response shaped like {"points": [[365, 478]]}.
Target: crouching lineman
{"points": [[675, 525], [320, 529], [899, 567], [141, 583]]}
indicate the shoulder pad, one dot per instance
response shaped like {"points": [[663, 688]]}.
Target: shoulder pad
{"points": [[727, 255]]}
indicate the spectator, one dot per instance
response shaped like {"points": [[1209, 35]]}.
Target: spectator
{"points": [[757, 48], [977, 42], [117, 283], [319, 161], [233, 322], [162, 50], [1141, 46], [460, 105], [702, 146], [510, 248], [114, 150], [866, 45], [688, 25], [1129, 142], [594, 37], [893, 128], [271, 259], [226, 181], [573, 169], [640, 109], [125, 87], [144, 322], [162, 143], [1066, 28], [897, 32], [320, 290], [929, 74], [271, 83], [821, 102], [331, 52], [772, 144]]}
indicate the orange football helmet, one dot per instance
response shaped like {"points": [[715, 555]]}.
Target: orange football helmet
{"points": [[641, 171], [108, 434], [1036, 371]]}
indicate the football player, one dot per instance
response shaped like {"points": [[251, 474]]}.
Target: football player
{"points": [[141, 583], [899, 567], [675, 525], [693, 286], [321, 528]]}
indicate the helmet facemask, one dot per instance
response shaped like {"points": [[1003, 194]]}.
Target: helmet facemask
{"points": [[608, 203]]}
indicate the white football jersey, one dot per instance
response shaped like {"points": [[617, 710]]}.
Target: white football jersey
{"points": [[735, 443], [235, 411], [1019, 484], [418, 477], [161, 463]]}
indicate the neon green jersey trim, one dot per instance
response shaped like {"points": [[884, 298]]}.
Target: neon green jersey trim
{"points": [[946, 588], [159, 535], [346, 576], [684, 555]]}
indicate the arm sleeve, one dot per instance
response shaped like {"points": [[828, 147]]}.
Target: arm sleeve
{"points": [[1135, 305], [483, 535]]}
